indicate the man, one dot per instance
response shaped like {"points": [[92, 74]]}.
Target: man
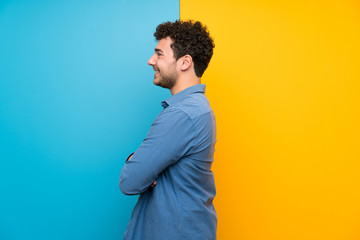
{"points": [[171, 170]]}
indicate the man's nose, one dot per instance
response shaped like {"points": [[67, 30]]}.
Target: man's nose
{"points": [[151, 61]]}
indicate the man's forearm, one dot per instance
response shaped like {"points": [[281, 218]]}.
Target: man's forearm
{"points": [[128, 158]]}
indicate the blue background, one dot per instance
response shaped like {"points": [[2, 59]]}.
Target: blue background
{"points": [[76, 97]]}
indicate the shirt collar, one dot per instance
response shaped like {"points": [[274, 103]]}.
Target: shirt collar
{"points": [[198, 88]]}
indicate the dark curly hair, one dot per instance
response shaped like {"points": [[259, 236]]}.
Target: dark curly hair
{"points": [[191, 38]]}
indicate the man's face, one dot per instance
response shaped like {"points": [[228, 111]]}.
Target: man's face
{"points": [[164, 64]]}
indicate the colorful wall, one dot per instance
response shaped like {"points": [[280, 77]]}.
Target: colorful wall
{"points": [[284, 85], [76, 97]]}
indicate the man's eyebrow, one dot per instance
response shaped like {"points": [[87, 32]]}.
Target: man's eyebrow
{"points": [[158, 50]]}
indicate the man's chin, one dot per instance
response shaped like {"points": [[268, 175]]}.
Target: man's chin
{"points": [[163, 83], [160, 85], [156, 82]]}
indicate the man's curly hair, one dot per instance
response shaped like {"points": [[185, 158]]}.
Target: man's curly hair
{"points": [[191, 38]]}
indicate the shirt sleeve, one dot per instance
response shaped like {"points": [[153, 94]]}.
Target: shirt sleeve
{"points": [[170, 137]]}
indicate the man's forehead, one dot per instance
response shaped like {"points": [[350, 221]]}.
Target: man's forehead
{"points": [[164, 44]]}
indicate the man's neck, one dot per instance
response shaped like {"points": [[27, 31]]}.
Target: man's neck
{"points": [[182, 84]]}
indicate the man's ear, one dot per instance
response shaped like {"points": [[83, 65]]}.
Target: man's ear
{"points": [[186, 62]]}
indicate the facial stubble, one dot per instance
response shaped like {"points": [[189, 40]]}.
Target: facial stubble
{"points": [[168, 80]]}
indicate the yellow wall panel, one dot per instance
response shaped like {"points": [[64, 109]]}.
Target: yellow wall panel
{"points": [[284, 85]]}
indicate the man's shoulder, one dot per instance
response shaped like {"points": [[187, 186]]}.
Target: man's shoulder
{"points": [[194, 106]]}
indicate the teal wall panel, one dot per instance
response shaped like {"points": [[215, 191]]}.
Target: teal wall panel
{"points": [[76, 97]]}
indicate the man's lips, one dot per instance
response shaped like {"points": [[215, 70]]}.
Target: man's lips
{"points": [[156, 72]]}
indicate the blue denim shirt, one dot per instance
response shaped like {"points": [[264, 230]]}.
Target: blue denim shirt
{"points": [[178, 153]]}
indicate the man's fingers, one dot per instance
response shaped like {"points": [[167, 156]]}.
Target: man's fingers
{"points": [[153, 184]]}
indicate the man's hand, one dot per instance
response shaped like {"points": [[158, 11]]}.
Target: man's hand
{"points": [[154, 183]]}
